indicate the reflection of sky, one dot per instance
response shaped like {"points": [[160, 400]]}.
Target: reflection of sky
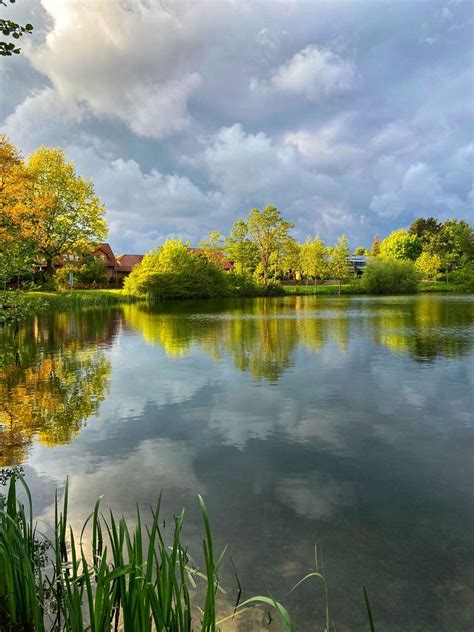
{"points": [[357, 446]]}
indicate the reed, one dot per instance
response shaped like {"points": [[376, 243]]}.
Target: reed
{"points": [[127, 578]]}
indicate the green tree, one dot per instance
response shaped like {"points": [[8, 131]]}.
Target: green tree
{"points": [[427, 229], [339, 263], [269, 231], [290, 258], [360, 250], [314, 259], [375, 247], [428, 266], [454, 244], [69, 217], [14, 30], [240, 249], [401, 244]]}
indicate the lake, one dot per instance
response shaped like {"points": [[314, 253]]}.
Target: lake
{"points": [[345, 423]]}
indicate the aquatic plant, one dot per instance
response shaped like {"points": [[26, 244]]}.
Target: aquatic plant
{"points": [[128, 578]]}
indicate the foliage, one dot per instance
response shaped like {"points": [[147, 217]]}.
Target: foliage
{"points": [[14, 30], [15, 306], [314, 259], [454, 244], [464, 277], [361, 251], [173, 271], [339, 264], [129, 577], [389, 276], [16, 244], [375, 248], [269, 231], [68, 216], [240, 249], [428, 266], [91, 271], [401, 244], [289, 260], [426, 229]]}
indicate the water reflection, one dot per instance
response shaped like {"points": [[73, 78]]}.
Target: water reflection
{"points": [[54, 372], [53, 376], [346, 422]]}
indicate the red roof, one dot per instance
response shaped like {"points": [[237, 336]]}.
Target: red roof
{"points": [[126, 263], [107, 251]]}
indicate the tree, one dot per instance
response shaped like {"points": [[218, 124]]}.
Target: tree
{"points": [[240, 249], [361, 251], [68, 216], [428, 266], [290, 258], [375, 248], [401, 244], [454, 244], [426, 229], [314, 259], [16, 236], [339, 263], [269, 231], [14, 30]]}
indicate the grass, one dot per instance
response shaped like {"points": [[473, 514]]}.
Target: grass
{"points": [[82, 297], [324, 290], [128, 578]]}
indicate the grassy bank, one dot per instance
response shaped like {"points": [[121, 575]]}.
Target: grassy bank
{"points": [[356, 288], [133, 578], [323, 290], [75, 298]]}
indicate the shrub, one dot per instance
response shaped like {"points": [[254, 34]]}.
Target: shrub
{"points": [[245, 285], [464, 277], [390, 276], [173, 271]]}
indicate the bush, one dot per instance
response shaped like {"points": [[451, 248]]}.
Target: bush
{"points": [[464, 278], [173, 271], [390, 276], [245, 285]]}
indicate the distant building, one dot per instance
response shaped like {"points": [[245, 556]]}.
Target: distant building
{"points": [[358, 263]]}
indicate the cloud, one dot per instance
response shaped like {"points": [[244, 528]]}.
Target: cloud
{"points": [[144, 207], [314, 73], [41, 116], [127, 61], [156, 102]]}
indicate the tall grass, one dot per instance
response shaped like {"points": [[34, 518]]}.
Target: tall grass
{"points": [[127, 578]]}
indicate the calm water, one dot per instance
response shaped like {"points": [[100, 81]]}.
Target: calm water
{"points": [[342, 422]]}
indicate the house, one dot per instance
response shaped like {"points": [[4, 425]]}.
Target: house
{"points": [[126, 263], [358, 263], [104, 252]]}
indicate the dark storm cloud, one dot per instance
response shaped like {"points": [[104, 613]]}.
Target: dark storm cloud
{"points": [[350, 117]]}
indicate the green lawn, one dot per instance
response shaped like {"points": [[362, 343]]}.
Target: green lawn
{"points": [[323, 290]]}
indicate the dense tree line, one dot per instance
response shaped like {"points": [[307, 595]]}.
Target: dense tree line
{"points": [[50, 214]]}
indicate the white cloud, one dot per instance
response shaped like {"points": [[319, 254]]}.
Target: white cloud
{"points": [[41, 116], [128, 61], [314, 73], [327, 148]]}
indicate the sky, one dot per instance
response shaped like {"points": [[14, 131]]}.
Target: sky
{"points": [[350, 117]]}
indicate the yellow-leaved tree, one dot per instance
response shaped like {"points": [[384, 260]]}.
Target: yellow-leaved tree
{"points": [[68, 215]]}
